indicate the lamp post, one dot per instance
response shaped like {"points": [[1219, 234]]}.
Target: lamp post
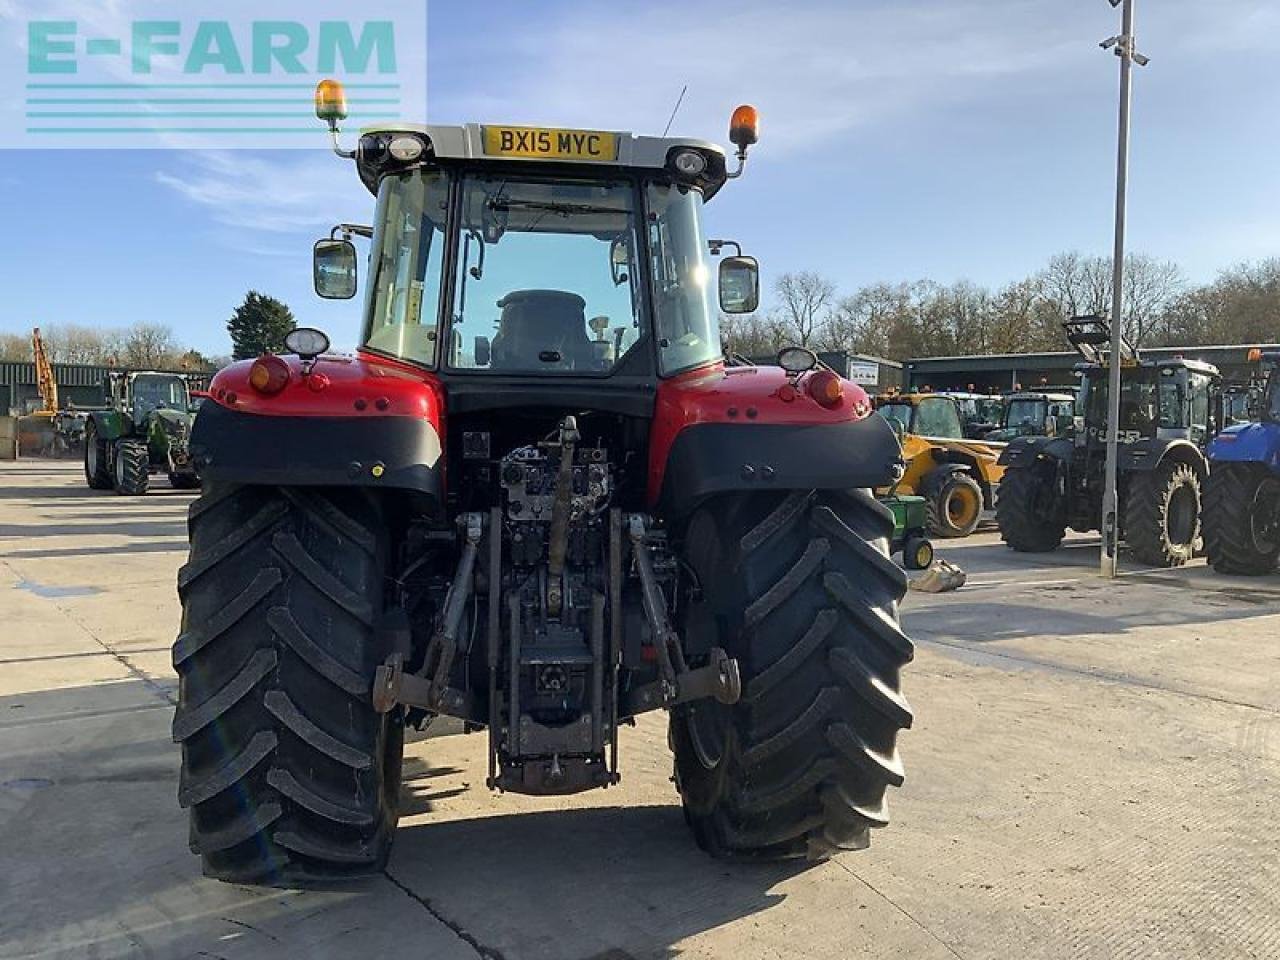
{"points": [[1125, 48]]}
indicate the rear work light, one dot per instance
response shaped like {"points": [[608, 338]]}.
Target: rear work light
{"points": [[269, 375], [825, 388]]}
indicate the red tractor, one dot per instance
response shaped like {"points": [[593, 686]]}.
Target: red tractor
{"points": [[537, 499]]}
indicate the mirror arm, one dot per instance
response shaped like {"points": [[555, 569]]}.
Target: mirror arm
{"points": [[348, 230], [718, 245]]}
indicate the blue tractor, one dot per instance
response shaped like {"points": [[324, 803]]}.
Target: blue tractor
{"points": [[1242, 498]]}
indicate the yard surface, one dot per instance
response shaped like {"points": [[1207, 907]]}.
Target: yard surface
{"points": [[1092, 773]]}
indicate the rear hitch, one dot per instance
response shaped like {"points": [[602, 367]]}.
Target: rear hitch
{"points": [[431, 690], [720, 678]]}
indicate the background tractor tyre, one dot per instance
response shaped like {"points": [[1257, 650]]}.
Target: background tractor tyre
{"points": [[289, 773], [1027, 522], [184, 481], [97, 460], [1162, 515], [1242, 518], [955, 508], [917, 553], [133, 463], [802, 591]]}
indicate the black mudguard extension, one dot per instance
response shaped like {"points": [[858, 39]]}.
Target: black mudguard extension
{"points": [[1146, 455], [712, 458], [316, 451], [1023, 451], [935, 478]]}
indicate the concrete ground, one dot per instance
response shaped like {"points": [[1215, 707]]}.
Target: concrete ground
{"points": [[1092, 773]]}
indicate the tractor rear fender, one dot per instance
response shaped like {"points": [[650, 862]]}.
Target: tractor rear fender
{"points": [[110, 424], [381, 452], [1146, 455], [364, 422], [1248, 443], [756, 429], [715, 458], [1024, 451]]}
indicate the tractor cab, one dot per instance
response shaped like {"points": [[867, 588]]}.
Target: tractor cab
{"points": [[933, 415], [138, 394], [1035, 414], [1166, 400], [979, 412], [514, 252], [1173, 399]]}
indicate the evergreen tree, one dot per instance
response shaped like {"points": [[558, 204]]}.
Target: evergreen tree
{"points": [[258, 326]]}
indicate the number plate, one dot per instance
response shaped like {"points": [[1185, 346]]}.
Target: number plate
{"points": [[539, 143]]}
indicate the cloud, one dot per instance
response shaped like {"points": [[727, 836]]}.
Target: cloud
{"points": [[816, 71], [287, 196]]}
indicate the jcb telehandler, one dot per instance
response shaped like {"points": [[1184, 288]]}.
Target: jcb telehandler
{"points": [[536, 499]]}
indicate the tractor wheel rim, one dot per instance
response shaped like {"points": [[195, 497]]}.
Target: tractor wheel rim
{"points": [[961, 508], [1264, 516], [91, 457], [1181, 518], [708, 731]]}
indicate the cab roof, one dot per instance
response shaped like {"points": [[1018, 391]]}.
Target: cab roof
{"points": [[1195, 366], [477, 142], [1053, 397], [914, 398]]}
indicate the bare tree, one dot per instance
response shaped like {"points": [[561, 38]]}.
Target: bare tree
{"points": [[148, 345], [751, 335], [15, 347], [1074, 285], [805, 300]]}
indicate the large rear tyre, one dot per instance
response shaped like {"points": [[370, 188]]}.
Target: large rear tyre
{"points": [[1162, 515], [289, 773], [133, 464], [97, 460], [955, 508], [1029, 517], [802, 591], [1242, 518]]}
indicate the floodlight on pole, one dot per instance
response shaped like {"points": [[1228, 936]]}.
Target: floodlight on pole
{"points": [[1124, 46]]}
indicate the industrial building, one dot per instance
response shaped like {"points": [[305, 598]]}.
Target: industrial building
{"points": [[998, 373], [79, 385], [873, 374]]}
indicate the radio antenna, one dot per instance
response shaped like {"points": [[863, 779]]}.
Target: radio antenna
{"points": [[675, 109]]}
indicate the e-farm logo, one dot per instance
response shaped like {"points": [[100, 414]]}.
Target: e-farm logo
{"points": [[165, 73]]}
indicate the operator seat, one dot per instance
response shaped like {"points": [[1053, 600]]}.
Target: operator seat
{"points": [[536, 321]]}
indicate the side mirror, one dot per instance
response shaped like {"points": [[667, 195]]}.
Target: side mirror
{"points": [[739, 284], [483, 352], [619, 260], [333, 266]]}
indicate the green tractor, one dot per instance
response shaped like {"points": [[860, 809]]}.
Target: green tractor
{"points": [[145, 428]]}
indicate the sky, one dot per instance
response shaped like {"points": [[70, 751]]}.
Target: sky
{"points": [[901, 139]]}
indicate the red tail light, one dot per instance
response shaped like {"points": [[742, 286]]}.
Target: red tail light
{"points": [[269, 375], [826, 388]]}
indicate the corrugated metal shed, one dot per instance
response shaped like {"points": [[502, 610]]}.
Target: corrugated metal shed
{"points": [[18, 373], [78, 383]]}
